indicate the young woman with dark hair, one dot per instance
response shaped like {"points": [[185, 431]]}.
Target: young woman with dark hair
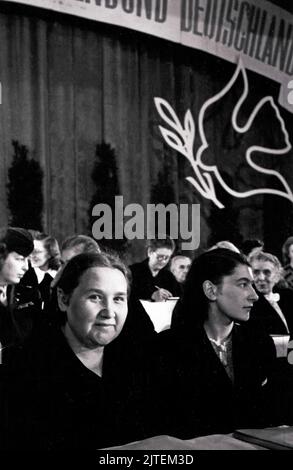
{"points": [[214, 370]]}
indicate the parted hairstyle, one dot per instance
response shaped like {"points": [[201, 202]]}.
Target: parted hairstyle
{"points": [[52, 247], [192, 307], [76, 266]]}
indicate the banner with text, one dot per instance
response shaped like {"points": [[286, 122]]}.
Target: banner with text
{"points": [[258, 32]]}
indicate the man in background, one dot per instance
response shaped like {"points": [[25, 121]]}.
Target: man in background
{"points": [[179, 267]]}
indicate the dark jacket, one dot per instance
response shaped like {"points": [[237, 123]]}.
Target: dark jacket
{"points": [[19, 318], [53, 402], [198, 397], [265, 316], [30, 279]]}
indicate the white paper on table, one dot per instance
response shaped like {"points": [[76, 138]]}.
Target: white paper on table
{"points": [[160, 313], [281, 344]]}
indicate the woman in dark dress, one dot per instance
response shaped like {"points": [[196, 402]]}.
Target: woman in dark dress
{"points": [[78, 386], [45, 262], [214, 370]]}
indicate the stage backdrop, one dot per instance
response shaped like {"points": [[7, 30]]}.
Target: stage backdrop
{"points": [[69, 84]]}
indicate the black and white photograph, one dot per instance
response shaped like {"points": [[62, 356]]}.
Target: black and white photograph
{"points": [[146, 229]]}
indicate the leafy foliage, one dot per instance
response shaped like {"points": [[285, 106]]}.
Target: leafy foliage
{"points": [[25, 196], [105, 179], [162, 192]]}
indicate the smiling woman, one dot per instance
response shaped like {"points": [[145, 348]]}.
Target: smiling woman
{"points": [[82, 382], [96, 308]]}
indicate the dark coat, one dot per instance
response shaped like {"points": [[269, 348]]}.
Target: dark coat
{"points": [[20, 316], [51, 401], [30, 279], [198, 397], [265, 316]]}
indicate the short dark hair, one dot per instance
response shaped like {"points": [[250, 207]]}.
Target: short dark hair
{"points": [[163, 242], [212, 265], [77, 265]]}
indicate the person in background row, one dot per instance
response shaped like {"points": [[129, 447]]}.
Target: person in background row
{"points": [[16, 318], [45, 262], [273, 310], [213, 369], [151, 279], [71, 246], [287, 251], [179, 267], [76, 386], [76, 244], [272, 313]]}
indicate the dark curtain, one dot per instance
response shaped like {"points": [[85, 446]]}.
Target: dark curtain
{"points": [[69, 84]]}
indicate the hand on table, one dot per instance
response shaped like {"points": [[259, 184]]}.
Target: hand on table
{"points": [[161, 294]]}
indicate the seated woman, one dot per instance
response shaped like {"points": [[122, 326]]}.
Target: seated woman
{"points": [[151, 279], [45, 262], [18, 306], [214, 370], [80, 385]]}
